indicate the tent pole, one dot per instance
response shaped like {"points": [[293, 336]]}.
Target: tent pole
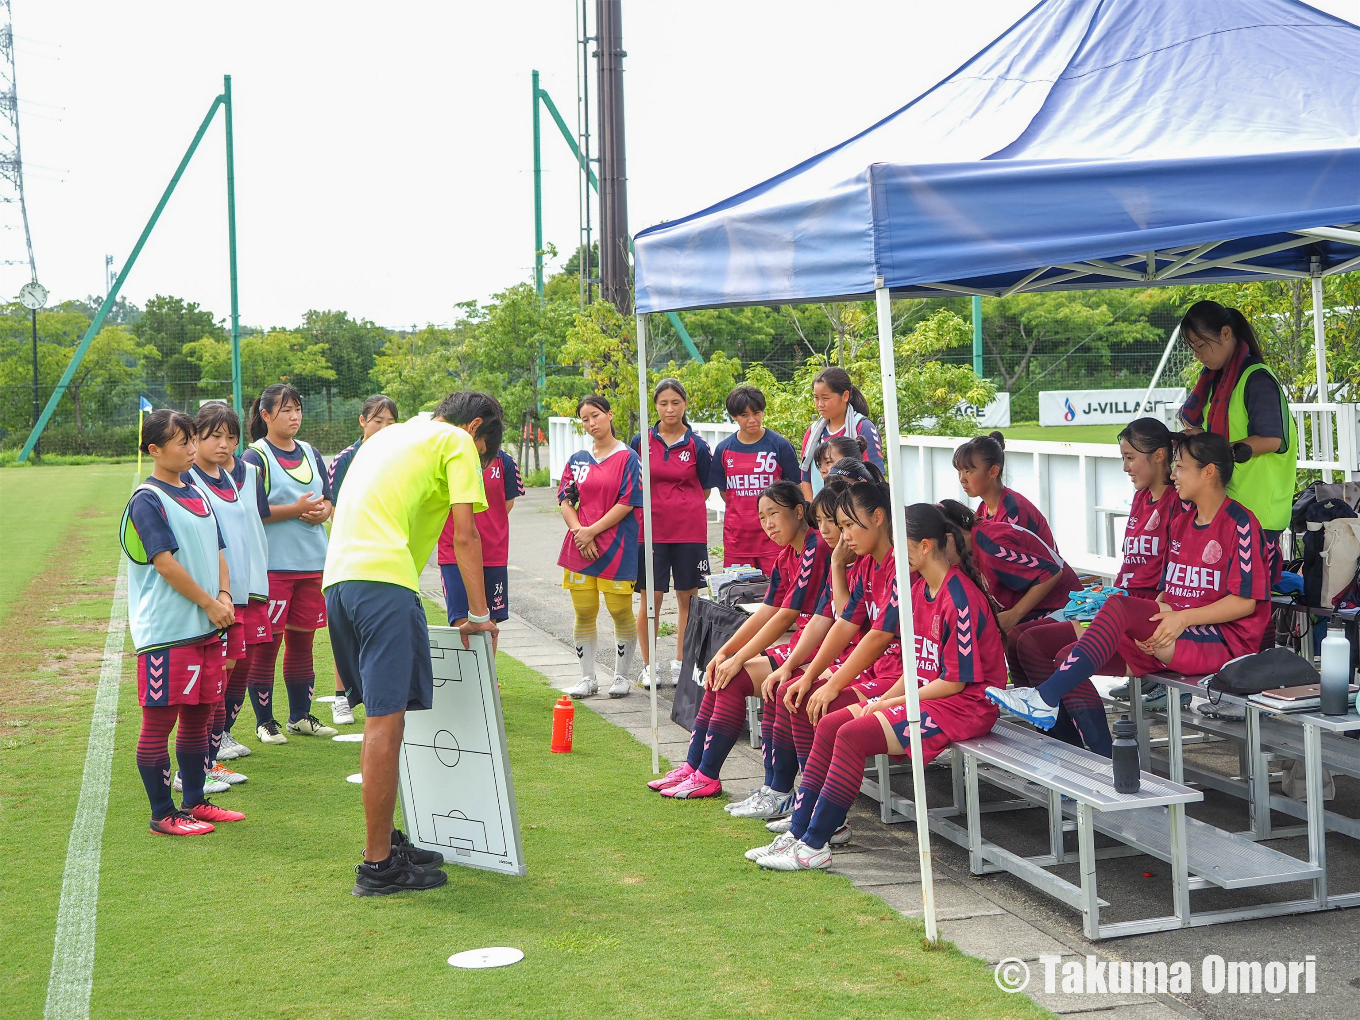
{"points": [[1324, 441], [892, 451], [650, 631]]}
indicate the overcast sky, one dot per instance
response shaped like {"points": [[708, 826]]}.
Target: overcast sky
{"points": [[383, 151]]}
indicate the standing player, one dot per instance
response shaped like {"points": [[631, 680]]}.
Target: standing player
{"points": [[1214, 604], [598, 490], [377, 413], [503, 486], [680, 465], [178, 606], [299, 494], [745, 464], [841, 411], [401, 493]]}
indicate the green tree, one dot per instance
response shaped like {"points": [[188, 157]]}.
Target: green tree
{"points": [[266, 358], [351, 348], [417, 369], [169, 323]]}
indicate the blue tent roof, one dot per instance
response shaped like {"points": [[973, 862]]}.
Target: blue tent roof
{"points": [[1096, 143]]}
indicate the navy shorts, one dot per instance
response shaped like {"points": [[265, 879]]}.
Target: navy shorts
{"points": [[686, 561], [381, 642], [497, 581]]}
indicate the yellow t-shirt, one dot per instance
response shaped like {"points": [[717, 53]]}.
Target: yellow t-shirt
{"points": [[398, 491]]}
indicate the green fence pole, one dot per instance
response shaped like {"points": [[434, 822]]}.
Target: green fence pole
{"points": [[103, 312], [538, 197], [231, 254], [571, 141], [977, 335], [684, 337]]}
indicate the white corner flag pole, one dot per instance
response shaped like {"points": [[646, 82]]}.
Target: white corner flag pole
{"points": [[650, 631], [892, 458]]}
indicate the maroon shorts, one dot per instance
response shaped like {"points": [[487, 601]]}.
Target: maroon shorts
{"points": [[1199, 651], [871, 686], [295, 600], [933, 740], [779, 654], [235, 642], [255, 618], [182, 675]]}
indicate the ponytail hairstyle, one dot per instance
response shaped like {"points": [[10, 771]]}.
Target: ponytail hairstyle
{"points": [[860, 499], [676, 386], [271, 398], [837, 380], [1206, 448], [853, 470], [839, 447], [958, 515], [929, 521], [163, 425], [1204, 321], [987, 450], [376, 404], [465, 407], [600, 403], [790, 496], [1147, 436]]}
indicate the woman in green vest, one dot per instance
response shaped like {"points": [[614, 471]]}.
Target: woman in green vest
{"points": [[1239, 398]]}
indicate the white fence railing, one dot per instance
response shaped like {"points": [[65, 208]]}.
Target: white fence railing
{"points": [[1080, 487]]}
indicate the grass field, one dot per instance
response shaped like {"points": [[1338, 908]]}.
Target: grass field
{"points": [[1065, 433], [632, 907]]}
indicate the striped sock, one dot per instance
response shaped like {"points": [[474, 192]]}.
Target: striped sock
{"points": [[729, 712], [299, 675], [1119, 618], [699, 735], [815, 770], [235, 695], [191, 748], [856, 742], [153, 756], [261, 678], [784, 756]]}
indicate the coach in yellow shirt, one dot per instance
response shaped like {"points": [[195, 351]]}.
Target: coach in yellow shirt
{"points": [[402, 486]]}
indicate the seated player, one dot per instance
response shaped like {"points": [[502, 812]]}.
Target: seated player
{"points": [[1214, 604], [980, 463], [742, 662], [958, 654]]}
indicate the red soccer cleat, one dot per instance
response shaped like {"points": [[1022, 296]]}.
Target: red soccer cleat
{"points": [[207, 811], [180, 823]]}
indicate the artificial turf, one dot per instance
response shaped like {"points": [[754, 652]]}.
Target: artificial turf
{"points": [[632, 907]]}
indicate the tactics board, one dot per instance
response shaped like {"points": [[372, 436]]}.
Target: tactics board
{"points": [[456, 792]]}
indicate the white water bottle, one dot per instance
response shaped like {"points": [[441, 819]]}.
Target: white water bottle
{"points": [[1336, 672]]}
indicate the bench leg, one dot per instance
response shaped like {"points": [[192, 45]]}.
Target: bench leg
{"points": [[956, 776], [1317, 825], [1175, 751], [976, 865], [1056, 844], [1260, 776], [1086, 842], [885, 809], [753, 720], [1180, 865], [1140, 722]]}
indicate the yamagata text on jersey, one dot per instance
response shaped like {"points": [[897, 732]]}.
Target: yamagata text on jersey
{"points": [[764, 475]]}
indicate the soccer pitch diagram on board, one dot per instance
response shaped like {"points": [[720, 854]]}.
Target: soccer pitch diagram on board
{"points": [[456, 792]]}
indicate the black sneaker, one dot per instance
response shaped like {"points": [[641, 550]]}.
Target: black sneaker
{"points": [[401, 843], [399, 876]]}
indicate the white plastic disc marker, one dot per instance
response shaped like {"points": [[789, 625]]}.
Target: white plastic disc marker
{"points": [[348, 738], [479, 959], [356, 778]]}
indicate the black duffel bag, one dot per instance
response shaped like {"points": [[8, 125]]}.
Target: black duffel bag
{"points": [[1263, 671]]}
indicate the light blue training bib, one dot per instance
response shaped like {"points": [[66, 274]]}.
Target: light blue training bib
{"points": [[293, 545]]}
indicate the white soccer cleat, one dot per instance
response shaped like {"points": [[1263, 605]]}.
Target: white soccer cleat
{"points": [[771, 804], [1027, 704], [645, 678], [231, 748], [780, 843], [621, 687], [675, 672], [220, 773], [779, 824], [584, 689], [841, 836], [745, 801], [341, 713], [210, 785], [311, 726], [268, 733], [797, 857]]}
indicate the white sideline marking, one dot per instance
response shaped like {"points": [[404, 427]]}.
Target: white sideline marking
{"points": [[69, 985]]}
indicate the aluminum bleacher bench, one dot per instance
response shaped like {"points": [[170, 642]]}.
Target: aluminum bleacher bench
{"points": [[1075, 784]]}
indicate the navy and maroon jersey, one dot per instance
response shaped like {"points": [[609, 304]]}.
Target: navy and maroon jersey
{"points": [[604, 485], [501, 480], [680, 474], [238, 475], [741, 472], [799, 577], [1016, 509], [153, 527], [864, 429], [1224, 557], [958, 639], [1013, 560], [1146, 535], [340, 465], [874, 604]]}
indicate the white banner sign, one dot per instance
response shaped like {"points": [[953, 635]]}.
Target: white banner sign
{"points": [[996, 415], [1104, 407]]}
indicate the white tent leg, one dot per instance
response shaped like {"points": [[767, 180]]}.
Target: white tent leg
{"points": [[647, 611], [892, 457], [1322, 444]]}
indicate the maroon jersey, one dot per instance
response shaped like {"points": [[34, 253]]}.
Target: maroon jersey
{"points": [[1146, 536], [680, 473], [873, 598], [1224, 557], [604, 485], [1016, 509], [958, 639], [799, 578], [1013, 560], [741, 472], [501, 480]]}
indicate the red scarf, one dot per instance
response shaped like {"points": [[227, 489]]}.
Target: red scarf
{"points": [[1215, 388]]}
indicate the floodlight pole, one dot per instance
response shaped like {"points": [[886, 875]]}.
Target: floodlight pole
{"points": [[231, 255], [892, 451], [112, 296], [647, 571], [538, 197]]}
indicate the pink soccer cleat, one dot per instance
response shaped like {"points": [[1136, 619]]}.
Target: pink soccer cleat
{"points": [[206, 811], [693, 788], [674, 777]]}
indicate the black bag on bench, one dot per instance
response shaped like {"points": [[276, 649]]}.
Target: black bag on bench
{"points": [[1263, 671]]}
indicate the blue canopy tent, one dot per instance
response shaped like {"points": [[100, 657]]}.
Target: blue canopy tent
{"points": [[1096, 143]]}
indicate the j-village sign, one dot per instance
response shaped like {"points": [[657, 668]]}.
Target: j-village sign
{"points": [[1104, 407]]}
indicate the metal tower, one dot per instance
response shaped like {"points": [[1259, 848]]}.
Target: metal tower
{"points": [[11, 158]]}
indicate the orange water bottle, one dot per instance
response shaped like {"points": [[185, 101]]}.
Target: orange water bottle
{"points": [[564, 721]]}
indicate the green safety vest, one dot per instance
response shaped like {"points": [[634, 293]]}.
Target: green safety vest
{"points": [[1264, 484]]}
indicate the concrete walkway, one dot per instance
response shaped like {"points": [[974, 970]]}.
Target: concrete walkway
{"points": [[880, 859]]}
